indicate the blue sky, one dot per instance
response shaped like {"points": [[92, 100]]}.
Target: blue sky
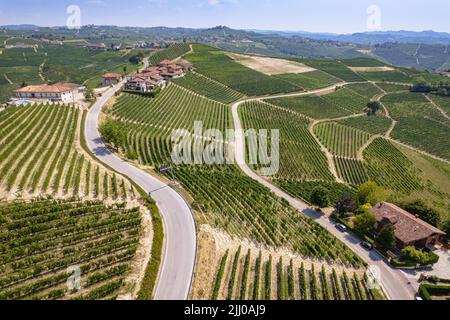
{"points": [[337, 16]]}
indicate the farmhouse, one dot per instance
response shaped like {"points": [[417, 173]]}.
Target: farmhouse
{"points": [[111, 79], [409, 230], [59, 92]]}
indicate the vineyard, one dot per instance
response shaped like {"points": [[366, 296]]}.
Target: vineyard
{"points": [[300, 155], [41, 154], [335, 68], [40, 240], [420, 123], [222, 195], [351, 171], [341, 103], [208, 88], [389, 76], [252, 274], [310, 80], [171, 53], [151, 122], [341, 140], [377, 124], [390, 88], [217, 65], [391, 169]]}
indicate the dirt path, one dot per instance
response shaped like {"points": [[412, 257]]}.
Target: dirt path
{"points": [[437, 107], [41, 68], [7, 79]]}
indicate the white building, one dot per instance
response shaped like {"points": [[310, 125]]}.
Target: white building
{"points": [[59, 92]]}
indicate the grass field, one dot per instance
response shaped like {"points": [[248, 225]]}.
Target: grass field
{"points": [[40, 240]]}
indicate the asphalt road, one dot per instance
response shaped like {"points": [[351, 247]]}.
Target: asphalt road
{"points": [[393, 281], [178, 263]]}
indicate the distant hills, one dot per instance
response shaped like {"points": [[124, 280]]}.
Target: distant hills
{"points": [[368, 38], [426, 50]]}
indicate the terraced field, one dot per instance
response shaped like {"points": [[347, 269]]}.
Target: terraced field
{"points": [[249, 275], [210, 89], [41, 154], [218, 66], [171, 53], [40, 240]]}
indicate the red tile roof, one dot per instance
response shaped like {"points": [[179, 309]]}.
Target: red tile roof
{"points": [[45, 88], [408, 228]]}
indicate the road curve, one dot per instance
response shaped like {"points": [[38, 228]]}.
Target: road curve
{"points": [[177, 266], [393, 281]]}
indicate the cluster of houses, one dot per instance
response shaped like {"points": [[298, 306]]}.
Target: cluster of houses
{"points": [[155, 76]]}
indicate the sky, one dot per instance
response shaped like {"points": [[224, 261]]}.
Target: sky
{"points": [[335, 16]]}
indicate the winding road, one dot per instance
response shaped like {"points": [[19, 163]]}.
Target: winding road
{"points": [[394, 281], [180, 247]]}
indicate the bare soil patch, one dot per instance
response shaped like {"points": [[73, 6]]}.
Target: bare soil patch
{"points": [[372, 69], [271, 66]]}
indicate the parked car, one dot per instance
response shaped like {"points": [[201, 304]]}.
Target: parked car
{"points": [[366, 245], [341, 227]]}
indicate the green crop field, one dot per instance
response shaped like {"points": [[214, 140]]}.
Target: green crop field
{"points": [[335, 68], [343, 102], [340, 140], [40, 240], [367, 90], [300, 155], [171, 53], [389, 76], [208, 88], [51, 62], [351, 171], [218, 66], [40, 153], [363, 62], [378, 124], [420, 123], [389, 87], [257, 277], [390, 168], [442, 102], [222, 195], [310, 80]]}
